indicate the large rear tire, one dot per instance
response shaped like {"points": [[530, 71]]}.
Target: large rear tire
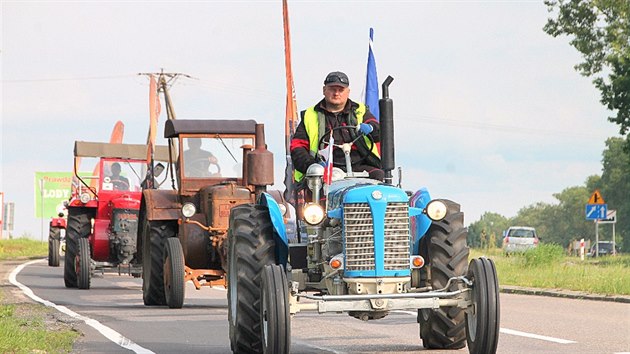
{"points": [[251, 247], [274, 311], [445, 243], [482, 318], [53, 252], [82, 264], [155, 233], [78, 227], [174, 284]]}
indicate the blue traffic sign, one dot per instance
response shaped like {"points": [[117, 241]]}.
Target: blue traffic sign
{"points": [[596, 211]]}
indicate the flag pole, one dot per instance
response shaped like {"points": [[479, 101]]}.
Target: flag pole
{"points": [[291, 108]]}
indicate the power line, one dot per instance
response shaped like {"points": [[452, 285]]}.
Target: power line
{"points": [[84, 78]]}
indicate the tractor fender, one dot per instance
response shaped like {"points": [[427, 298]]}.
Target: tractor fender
{"points": [[280, 234], [419, 223], [161, 204]]}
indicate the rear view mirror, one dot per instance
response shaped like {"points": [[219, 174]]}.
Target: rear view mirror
{"points": [[158, 169]]}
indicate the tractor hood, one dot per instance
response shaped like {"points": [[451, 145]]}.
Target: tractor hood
{"points": [[367, 191]]}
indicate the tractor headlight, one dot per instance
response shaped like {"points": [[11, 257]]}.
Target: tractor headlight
{"points": [[84, 198], [313, 213], [188, 210], [436, 210]]}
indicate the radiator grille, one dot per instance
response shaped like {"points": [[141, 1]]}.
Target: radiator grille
{"points": [[359, 237]]}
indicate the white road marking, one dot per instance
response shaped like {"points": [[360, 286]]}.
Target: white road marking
{"points": [[535, 336], [516, 333], [109, 333]]}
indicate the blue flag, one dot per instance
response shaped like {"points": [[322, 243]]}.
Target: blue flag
{"points": [[371, 83]]}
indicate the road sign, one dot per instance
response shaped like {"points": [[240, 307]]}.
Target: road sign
{"points": [[596, 211], [596, 198], [611, 217]]}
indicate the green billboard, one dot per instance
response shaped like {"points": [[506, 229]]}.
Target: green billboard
{"points": [[51, 190]]}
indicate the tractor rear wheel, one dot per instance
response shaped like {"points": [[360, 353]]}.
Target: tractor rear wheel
{"points": [[82, 264], [251, 247], [482, 318], [274, 310], [155, 233], [445, 243], [53, 252], [78, 227], [174, 284]]}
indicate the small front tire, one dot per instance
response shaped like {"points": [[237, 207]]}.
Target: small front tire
{"points": [[274, 310], [174, 283], [53, 252], [82, 264], [482, 318]]}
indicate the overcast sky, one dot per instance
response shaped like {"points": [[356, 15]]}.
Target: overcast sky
{"points": [[489, 111]]}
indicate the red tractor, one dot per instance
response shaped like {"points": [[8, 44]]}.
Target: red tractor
{"points": [[103, 212], [56, 239]]}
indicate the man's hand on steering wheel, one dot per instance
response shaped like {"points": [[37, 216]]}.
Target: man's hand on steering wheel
{"points": [[322, 144]]}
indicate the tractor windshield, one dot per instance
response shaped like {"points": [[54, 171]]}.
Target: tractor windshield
{"points": [[216, 157], [122, 175]]}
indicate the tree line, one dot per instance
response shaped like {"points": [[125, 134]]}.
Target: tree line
{"points": [[565, 220]]}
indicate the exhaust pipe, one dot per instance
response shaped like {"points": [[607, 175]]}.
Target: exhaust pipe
{"points": [[386, 107]]}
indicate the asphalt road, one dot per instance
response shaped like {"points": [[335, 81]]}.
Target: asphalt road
{"points": [[529, 324]]}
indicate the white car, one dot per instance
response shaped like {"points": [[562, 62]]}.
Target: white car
{"points": [[519, 239]]}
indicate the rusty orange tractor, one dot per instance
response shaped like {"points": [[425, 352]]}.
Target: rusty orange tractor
{"points": [[183, 231]]}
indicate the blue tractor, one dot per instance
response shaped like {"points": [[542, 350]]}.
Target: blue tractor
{"points": [[363, 247]]}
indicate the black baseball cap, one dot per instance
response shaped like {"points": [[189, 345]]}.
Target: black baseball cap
{"points": [[337, 78]]}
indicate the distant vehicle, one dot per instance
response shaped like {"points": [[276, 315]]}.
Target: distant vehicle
{"points": [[605, 249], [519, 239]]}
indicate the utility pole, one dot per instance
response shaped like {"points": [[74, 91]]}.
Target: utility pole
{"points": [[41, 194], [166, 80]]}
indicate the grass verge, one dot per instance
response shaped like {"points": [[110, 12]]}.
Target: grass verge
{"points": [[548, 267], [22, 248], [28, 327], [31, 328]]}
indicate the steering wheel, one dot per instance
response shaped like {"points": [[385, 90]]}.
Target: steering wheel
{"points": [[120, 185], [350, 128], [200, 167]]}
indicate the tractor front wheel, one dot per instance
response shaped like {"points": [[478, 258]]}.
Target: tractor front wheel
{"points": [[79, 226], [274, 311], [251, 247], [482, 317], [174, 284], [82, 264], [53, 252], [154, 235]]}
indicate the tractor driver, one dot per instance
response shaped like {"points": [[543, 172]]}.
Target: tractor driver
{"points": [[336, 110], [196, 160], [120, 183]]}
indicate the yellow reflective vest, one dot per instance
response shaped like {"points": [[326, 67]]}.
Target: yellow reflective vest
{"points": [[315, 124]]}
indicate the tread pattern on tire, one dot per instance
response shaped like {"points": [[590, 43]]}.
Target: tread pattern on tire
{"points": [[83, 272], [155, 235], [78, 226], [444, 328], [174, 254], [53, 252], [485, 338], [274, 284], [251, 246]]}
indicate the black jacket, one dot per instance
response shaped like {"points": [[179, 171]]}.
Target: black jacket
{"points": [[300, 145]]}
